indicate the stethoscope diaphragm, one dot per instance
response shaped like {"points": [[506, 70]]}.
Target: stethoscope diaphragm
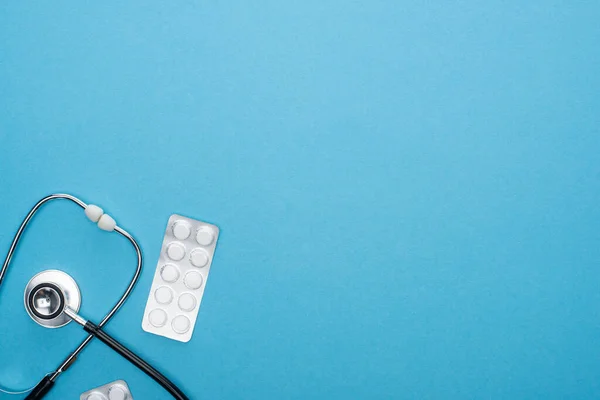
{"points": [[46, 296]]}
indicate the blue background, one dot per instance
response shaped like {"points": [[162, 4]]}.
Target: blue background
{"points": [[407, 192]]}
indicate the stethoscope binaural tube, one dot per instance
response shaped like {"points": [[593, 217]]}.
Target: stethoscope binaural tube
{"points": [[44, 386], [47, 302]]}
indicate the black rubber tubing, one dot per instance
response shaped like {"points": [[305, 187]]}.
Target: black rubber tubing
{"points": [[105, 338], [41, 389]]}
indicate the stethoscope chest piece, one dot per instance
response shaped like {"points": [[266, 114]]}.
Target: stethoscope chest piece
{"points": [[46, 296]]}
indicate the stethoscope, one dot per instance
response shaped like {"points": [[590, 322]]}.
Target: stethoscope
{"points": [[52, 299]]}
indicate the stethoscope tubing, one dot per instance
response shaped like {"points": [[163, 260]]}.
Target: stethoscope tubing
{"points": [[45, 385], [71, 358], [73, 355], [133, 358]]}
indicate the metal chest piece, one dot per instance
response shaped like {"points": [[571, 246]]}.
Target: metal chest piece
{"points": [[46, 296]]}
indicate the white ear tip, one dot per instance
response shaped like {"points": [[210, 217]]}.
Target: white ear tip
{"points": [[93, 212], [107, 223]]}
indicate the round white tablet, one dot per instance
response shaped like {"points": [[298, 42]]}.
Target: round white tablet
{"points": [[181, 230], [163, 295], [187, 302], [117, 393], [181, 324], [176, 251], [169, 273], [199, 258], [96, 396], [205, 236], [193, 280], [158, 317]]}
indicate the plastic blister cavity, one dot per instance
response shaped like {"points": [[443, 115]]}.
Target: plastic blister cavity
{"points": [[117, 390], [185, 259]]}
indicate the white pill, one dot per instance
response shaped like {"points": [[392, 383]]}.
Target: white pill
{"points": [[96, 396], [193, 280], [93, 212], [199, 258], [169, 273], [117, 393], [176, 251], [163, 295], [158, 317], [181, 324], [182, 230], [205, 236], [187, 302]]}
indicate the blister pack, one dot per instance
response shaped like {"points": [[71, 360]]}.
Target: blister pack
{"points": [[183, 265], [117, 390]]}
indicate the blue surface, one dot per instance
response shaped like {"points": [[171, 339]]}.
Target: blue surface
{"points": [[407, 192]]}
